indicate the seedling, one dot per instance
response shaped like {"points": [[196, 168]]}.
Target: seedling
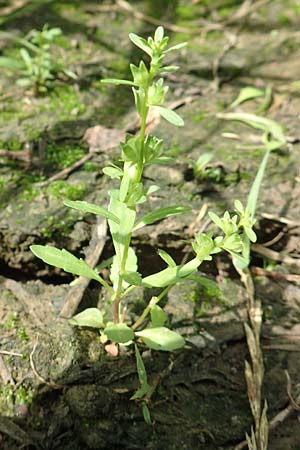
{"points": [[201, 165], [250, 92], [123, 216], [36, 66]]}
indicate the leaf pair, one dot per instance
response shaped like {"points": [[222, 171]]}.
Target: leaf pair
{"points": [[158, 338]]}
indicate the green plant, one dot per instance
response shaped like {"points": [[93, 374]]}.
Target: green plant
{"points": [[36, 65], [273, 138], [124, 219], [200, 166]]}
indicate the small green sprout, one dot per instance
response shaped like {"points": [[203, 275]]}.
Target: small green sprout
{"points": [[36, 66], [200, 167]]}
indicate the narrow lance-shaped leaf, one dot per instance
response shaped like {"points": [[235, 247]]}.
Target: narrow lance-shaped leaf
{"points": [[146, 413], [163, 278], [91, 208], [246, 94], [142, 374], [159, 34], [140, 42], [172, 275], [26, 57], [262, 123], [113, 171], [160, 214], [175, 47], [167, 258], [169, 69], [117, 82], [10, 63], [254, 191], [216, 219], [64, 260], [171, 116]]}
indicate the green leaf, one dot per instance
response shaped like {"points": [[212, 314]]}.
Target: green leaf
{"points": [[239, 261], [119, 332], [10, 63], [124, 187], [126, 217], [246, 94], [142, 374], [171, 275], [24, 82], [210, 286], [161, 338], [250, 234], [91, 208], [167, 258], [263, 123], [162, 160], [216, 219], [169, 69], [151, 189], [141, 43], [146, 414], [158, 316], [113, 171], [176, 47], [90, 317], [26, 57], [163, 278], [104, 264], [171, 116], [254, 191], [69, 73], [64, 260], [117, 82], [160, 214], [132, 278], [159, 34], [202, 161]]}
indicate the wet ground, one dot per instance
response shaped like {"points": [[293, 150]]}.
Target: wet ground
{"points": [[58, 390]]}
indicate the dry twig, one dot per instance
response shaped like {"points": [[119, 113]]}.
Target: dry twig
{"points": [[65, 172], [231, 43], [95, 249], [245, 10], [272, 254], [278, 276], [8, 353], [13, 6], [19, 155], [122, 4]]}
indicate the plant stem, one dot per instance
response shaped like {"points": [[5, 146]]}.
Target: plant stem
{"points": [[153, 301], [137, 178]]}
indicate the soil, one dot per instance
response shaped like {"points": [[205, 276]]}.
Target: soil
{"points": [[59, 389]]}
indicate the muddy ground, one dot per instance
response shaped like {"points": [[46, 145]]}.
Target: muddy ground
{"points": [[58, 388]]}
